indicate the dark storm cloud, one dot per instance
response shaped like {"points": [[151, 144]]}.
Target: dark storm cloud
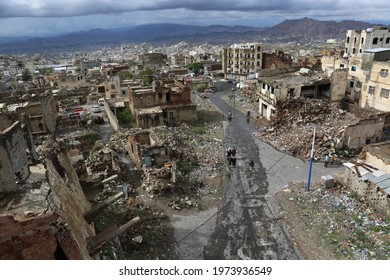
{"points": [[67, 8]]}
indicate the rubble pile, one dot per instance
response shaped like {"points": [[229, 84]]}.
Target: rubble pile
{"points": [[202, 149], [291, 130], [337, 219]]}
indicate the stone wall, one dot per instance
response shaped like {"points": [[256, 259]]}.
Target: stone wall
{"points": [[363, 133], [277, 71], [111, 117], [7, 181], [16, 146], [374, 195], [70, 202]]}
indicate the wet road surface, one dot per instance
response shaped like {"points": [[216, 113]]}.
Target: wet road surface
{"points": [[247, 226]]}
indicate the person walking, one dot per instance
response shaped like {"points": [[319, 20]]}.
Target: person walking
{"points": [[234, 161], [234, 150], [332, 159], [326, 160], [251, 165], [229, 155]]}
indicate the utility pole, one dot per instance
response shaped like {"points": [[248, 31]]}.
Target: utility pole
{"points": [[311, 160]]}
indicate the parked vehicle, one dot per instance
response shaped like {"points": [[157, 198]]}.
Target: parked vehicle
{"points": [[96, 109], [101, 101]]}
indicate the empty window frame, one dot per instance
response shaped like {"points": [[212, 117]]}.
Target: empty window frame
{"points": [[384, 93], [371, 90], [353, 68], [384, 73]]}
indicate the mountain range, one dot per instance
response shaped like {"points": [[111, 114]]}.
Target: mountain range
{"points": [[299, 30]]}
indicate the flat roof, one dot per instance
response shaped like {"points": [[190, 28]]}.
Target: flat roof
{"points": [[376, 50]]}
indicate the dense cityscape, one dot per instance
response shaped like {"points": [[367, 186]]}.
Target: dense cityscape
{"points": [[120, 151]]}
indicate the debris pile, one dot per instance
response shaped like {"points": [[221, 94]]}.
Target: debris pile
{"points": [[336, 219], [291, 129]]}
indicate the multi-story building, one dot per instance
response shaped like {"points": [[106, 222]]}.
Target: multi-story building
{"points": [[362, 49], [357, 41], [242, 60], [280, 87], [164, 103], [376, 91]]}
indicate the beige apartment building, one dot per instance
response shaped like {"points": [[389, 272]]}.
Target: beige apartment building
{"points": [[242, 61], [375, 92], [357, 41]]}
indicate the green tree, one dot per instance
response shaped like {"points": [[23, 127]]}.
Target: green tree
{"points": [[123, 75], [196, 67], [26, 75], [125, 116], [147, 76]]}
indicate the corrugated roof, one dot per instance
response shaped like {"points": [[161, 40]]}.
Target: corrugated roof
{"points": [[369, 173]]}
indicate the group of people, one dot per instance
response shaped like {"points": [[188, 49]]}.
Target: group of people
{"points": [[231, 156], [328, 159]]}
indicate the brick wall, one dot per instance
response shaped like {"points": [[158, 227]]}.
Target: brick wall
{"points": [[374, 196], [32, 239], [68, 199]]}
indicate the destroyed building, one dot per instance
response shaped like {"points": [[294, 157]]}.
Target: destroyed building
{"points": [[278, 88], [44, 211], [144, 148], [164, 103], [277, 59], [291, 129], [41, 109], [369, 176]]}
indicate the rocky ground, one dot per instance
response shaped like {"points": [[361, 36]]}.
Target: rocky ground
{"points": [[199, 187], [334, 224]]}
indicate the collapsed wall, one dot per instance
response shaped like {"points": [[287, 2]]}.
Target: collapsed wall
{"points": [[69, 201], [43, 218]]}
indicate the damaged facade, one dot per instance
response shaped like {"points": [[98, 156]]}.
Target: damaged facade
{"points": [[164, 103], [41, 110], [369, 176], [241, 60], [274, 89]]}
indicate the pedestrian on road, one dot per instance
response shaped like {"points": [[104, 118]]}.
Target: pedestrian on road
{"points": [[234, 151], [229, 155], [326, 160], [332, 159], [234, 161], [251, 165]]}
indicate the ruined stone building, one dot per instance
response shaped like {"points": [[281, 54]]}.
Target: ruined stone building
{"points": [[44, 212], [277, 59], [369, 176], [40, 109], [144, 148], [241, 60], [153, 61], [276, 88], [164, 103]]}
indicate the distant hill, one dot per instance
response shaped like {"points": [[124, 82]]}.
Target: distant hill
{"points": [[300, 30], [310, 29]]}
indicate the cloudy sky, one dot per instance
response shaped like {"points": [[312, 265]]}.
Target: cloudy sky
{"points": [[44, 17]]}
